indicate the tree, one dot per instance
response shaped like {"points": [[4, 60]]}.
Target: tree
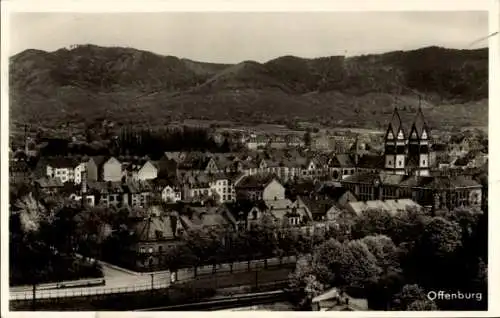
{"points": [[304, 280], [440, 238], [422, 305], [412, 297], [385, 252], [360, 268], [372, 222]]}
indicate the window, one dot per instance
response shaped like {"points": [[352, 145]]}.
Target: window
{"points": [[224, 197], [423, 162], [400, 163], [229, 197], [142, 250], [390, 163], [160, 249]]}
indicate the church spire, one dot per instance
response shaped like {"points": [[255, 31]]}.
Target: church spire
{"points": [[419, 123]]}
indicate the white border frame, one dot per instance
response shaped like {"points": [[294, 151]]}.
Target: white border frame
{"points": [[260, 6]]}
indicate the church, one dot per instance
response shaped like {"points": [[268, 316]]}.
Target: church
{"points": [[407, 171], [407, 152]]}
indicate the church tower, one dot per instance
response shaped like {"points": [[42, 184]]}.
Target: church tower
{"points": [[419, 145], [395, 146]]}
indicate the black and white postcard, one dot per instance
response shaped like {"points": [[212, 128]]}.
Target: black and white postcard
{"points": [[330, 157]]}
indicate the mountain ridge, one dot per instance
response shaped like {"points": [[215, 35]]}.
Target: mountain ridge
{"points": [[90, 81]]}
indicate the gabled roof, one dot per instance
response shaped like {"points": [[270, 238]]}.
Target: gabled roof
{"points": [[155, 228], [99, 160], [257, 181], [205, 217], [317, 206], [343, 161]]}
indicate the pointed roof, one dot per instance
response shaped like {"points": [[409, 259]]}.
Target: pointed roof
{"points": [[395, 125], [419, 123]]}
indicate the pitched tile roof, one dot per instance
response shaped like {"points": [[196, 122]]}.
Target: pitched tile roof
{"points": [[256, 181], [371, 162], [317, 206], [155, 228], [343, 161]]}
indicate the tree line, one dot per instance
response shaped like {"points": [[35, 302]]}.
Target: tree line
{"points": [[393, 262]]}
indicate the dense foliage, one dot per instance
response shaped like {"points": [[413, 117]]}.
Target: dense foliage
{"points": [[43, 242], [395, 261]]}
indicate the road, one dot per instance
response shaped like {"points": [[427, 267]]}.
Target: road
{"points": [[118, 280]]}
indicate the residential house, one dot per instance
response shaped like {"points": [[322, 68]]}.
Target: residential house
{"points": [[287, 213], [208, 218], [128, 193], [339, 194], [100, 168], [80, 169], [223, 185], [112, 170], [154, 236], [281, 212], [196, 187], [170, 191], [137, 193], [318, 207], [148, 171], [94, 168], [48, 186], [62, 168], [336, 300], [196, 163], [257, 188]]}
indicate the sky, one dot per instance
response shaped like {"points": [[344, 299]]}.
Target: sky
{"points": [[232, 37]]}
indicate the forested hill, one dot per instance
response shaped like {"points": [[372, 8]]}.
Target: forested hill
{"points": [[129, 85]]}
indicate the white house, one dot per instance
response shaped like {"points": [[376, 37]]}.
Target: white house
{"points": [[148, 171], [171, 193]]}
